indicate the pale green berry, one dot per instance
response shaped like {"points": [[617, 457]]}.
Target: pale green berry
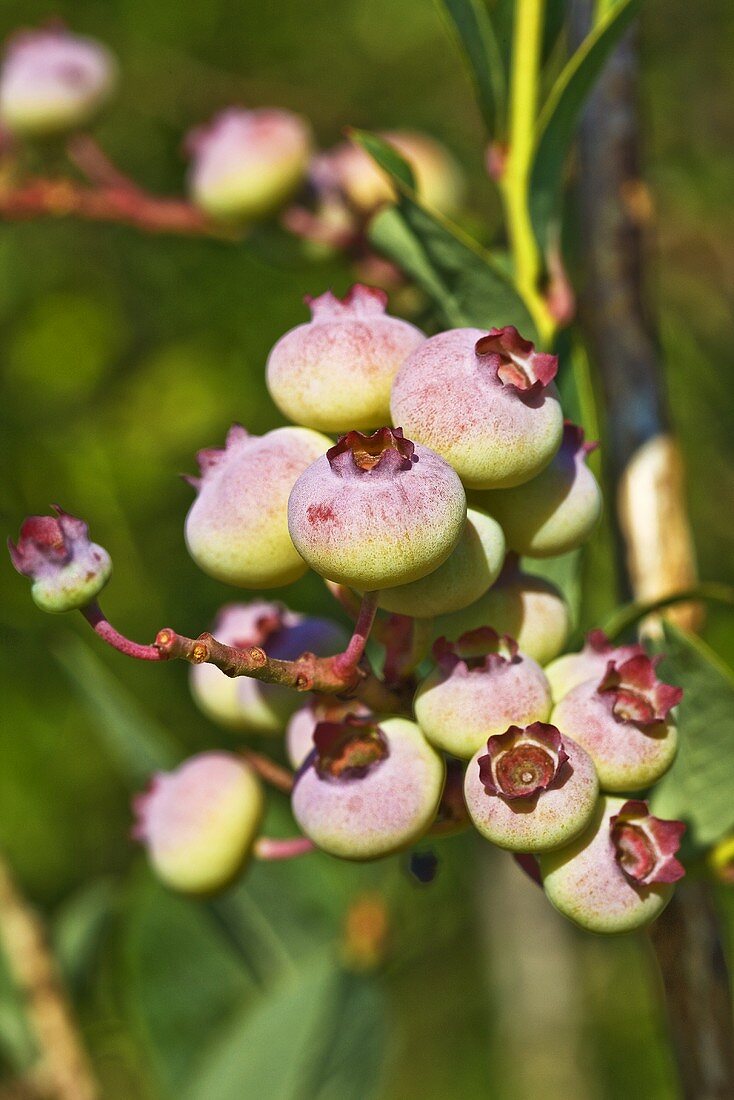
{"points": [[556, 511], [617, 875], [199, 822], [368, 789], [531, 789], [237, 528], [468, 572]]}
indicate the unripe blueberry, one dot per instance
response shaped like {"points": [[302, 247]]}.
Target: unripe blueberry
{"points": [[468, 571], [302, 725], [554, 512], [52, 81], [200, 821], [618, 875], [368, 790], [237, 528], [529, 609], [335, 372], [623, 721], [721, 860], [572, 669], [365, 187], [484, 402], [241, 703], [247, 163], [376, 511], [67, 571], [531, 790], [480, 686]]}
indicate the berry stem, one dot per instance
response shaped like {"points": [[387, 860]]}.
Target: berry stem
{"points": [[346, 662], [99, 624], [37, 197], [277, 776], [276, 848]]}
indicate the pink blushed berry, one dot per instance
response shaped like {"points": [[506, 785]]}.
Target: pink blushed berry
{"points": [[572, 669], [368, 790], [247, 163], [376, 511], [466, 574], [484, 402], [481, 685], [199, 822], [529, 609], [618, 874], [52, 81], [531, 789], [335, 372], [244, 704], [349, 171], [67, 571], [554, 512], [623, 721], [237, 528]]}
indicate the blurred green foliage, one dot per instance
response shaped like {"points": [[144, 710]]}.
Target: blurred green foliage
{"points": [[121, 356]]}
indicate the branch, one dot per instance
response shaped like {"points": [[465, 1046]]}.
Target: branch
{"points": [[111, 202], [64, 1070], [346, 673]]}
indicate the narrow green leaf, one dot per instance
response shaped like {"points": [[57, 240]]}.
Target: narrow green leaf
{"points": [[558, 119], [134, 739], [698, 788], [481, 49], [627, 616], [465, 284], [318, 1035]]}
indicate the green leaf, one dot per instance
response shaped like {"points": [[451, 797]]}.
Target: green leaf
{"points": [[79, 928], [698, 788], [467, 287], [476, 35], [319, 1035], [558, 119], [627, 616], [136, 742]]}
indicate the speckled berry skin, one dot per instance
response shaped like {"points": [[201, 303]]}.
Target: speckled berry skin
{"points": [[52, 81], [547, 820], [479, 686], [247, 163], [529, 609], [241, 703], [629, 755], [497, 427], [466, 574], [200, 821], [376, 511], [586, 883], [237, 528], [383, 811], [556, 511], [364, 187], [572, 669], [335, 372]]}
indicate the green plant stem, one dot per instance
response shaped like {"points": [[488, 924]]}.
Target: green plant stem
{"points": [[526, 55]]}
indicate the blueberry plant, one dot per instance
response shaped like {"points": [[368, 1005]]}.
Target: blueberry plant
{"points": [[435, 477]]}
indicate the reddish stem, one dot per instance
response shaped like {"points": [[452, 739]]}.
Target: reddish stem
{"points": [[275, 848], [347, 662], [267, 769], [99, 624], [118, 202]]}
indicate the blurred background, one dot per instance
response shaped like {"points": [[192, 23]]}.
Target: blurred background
{"points": [[121, 355]]}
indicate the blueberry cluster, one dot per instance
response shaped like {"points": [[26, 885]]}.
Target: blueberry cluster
{"points": [[479, 719]]}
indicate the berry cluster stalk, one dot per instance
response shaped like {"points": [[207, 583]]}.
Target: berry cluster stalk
{"points": [[687, 938]]}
